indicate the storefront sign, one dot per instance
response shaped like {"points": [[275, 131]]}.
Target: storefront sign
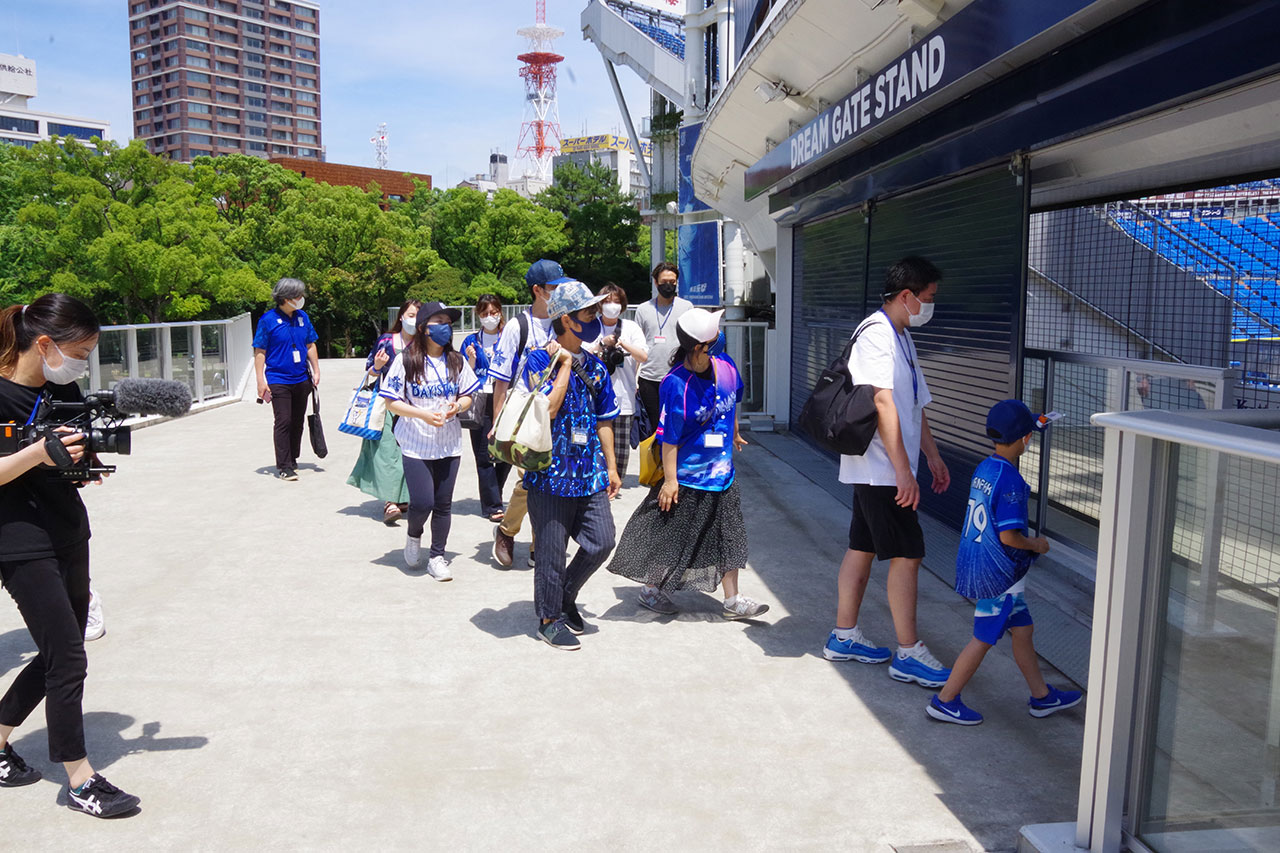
{"points": [[977, 35]]}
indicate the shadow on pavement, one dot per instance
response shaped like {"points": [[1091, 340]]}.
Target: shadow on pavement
{"points": [[104, 737], [15, 645], [515, 620]]}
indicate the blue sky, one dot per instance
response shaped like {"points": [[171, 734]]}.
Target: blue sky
{"points": [[441, 73]]}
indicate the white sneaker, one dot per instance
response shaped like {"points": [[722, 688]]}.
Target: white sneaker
{"points": [[412, 551], [95, 627], [744, 608], [438, 568]]}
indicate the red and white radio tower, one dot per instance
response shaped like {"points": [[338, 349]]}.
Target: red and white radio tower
{"points": [[540, 133]]}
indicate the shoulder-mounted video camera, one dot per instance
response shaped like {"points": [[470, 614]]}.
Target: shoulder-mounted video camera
{"points": [[99, 417]]}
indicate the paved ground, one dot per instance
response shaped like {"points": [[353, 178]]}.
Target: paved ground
{"points": [[274, 678]]}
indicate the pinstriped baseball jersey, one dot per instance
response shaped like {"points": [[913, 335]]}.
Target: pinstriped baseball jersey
{"points": [[417, 438]]}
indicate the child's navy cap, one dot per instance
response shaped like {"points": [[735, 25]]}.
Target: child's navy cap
{"points": [[1010, 420]]}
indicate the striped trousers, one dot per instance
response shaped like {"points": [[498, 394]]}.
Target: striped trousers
{"points": [[586, 520]]}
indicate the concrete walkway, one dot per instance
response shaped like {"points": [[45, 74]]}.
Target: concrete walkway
{"points": [[273, 678]]}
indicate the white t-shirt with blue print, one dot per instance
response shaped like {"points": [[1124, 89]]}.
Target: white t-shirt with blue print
{"points": [[417, 438]]}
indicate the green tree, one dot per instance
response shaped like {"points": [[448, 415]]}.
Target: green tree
{"points": [[502, 236], [602, 225]]}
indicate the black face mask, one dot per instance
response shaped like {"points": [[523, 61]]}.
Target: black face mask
{"points": [[666, 291]]}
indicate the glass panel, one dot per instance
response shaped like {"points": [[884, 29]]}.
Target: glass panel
{"points": [[1033, 394], [214, 355], [1075, 449], [149, 366], [1212, 749], [112, 357], [184, 359]]}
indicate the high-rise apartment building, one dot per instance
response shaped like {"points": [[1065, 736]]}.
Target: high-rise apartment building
{"points": [[225, 76]]}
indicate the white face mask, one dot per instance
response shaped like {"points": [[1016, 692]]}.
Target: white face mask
{"points": [[409, 325], [298, 303], [69, 371], [490, 322], [925, 315], [611, 310]]}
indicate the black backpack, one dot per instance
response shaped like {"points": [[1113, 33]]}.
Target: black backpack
{"points": [[840, 416]]}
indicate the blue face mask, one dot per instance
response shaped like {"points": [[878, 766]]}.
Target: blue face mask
{"points": [[589, 331], [441, 333], [717, 347]]}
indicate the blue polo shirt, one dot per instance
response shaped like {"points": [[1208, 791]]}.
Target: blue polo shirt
{"points": [[578, 466], [285, 340]]}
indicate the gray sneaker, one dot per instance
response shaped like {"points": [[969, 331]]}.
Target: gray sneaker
{"points": [[744, 608], [656, 600], [557, 635]]}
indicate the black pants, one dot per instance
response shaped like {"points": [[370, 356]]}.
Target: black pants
{"points": [[289, 402], [431, 483], [491, 474], [648, 389], [52, 594]]}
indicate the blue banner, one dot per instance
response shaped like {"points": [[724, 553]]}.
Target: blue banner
{"points": [[698, 256], [687, 201]]}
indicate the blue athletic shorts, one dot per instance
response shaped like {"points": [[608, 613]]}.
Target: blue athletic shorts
{"points": [[993, 616]]}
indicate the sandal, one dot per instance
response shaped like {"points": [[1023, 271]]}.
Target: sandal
{"points": [[391, 514], [497, 517]]}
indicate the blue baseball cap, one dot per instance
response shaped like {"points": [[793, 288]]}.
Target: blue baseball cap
{"points": [[1010, 420], [545, 273], [569, 297]]}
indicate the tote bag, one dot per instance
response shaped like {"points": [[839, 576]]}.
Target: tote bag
{"points": [[650, 451], [522, 435], [367, 412]]}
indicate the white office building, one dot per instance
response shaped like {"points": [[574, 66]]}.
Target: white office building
{"points": [[22, 125]]}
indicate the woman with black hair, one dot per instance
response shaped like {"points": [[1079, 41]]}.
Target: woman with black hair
{"points": [[480, 347], [44, 548], [688, 533], [428, 384], [378, 471]]}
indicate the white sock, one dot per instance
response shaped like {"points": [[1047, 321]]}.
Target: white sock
{"points": [[846, 634], [729, 602], [906, 651]]}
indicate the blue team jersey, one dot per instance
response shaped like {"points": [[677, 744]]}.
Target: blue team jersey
{"points": [[285, 340], [986, 567], [578, 467], [698, 415]]}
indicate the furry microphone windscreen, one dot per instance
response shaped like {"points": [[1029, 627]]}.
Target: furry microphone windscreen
{"points": [[153, 397]]}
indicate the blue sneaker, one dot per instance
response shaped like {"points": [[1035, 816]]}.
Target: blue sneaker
{"points": [[954, 711], [1056, 700], [920, 666], [855, 648]]}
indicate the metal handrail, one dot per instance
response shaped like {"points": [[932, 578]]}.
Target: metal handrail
{"points": [[1231, 431], [1174, 369]]}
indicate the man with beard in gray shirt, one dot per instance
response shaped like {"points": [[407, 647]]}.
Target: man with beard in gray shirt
{"points": [[657, 319]]}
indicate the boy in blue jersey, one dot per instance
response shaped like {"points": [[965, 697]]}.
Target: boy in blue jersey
{"points": [[991, 567]]}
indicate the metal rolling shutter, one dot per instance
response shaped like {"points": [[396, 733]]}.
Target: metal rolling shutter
{"points": [[974, 230], [829, 293]]}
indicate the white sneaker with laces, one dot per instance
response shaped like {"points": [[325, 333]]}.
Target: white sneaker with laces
{"points": [[438, 568], [412, 551], [95, 627], [744, 608]]}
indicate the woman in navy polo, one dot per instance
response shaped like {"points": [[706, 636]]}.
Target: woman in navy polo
{"points": [[284, 353]]}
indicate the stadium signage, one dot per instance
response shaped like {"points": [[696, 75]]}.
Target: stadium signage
{"points": [[974, 37]]}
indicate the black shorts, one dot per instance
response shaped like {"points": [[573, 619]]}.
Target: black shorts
{"points": [[881, 527]]}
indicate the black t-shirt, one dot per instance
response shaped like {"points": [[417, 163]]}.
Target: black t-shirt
{"points": [[39, 513]]}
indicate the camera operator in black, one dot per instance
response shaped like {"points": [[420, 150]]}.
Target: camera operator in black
{"points": [[44, 548]]}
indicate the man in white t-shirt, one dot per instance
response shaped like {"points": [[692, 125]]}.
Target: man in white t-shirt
{"points": [[534, 326], [886, 494], [657, 319]]}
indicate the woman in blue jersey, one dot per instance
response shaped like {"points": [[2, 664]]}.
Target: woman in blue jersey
{"points": [[378, 471], [688, 533], [427, 386], [479, 349]]}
